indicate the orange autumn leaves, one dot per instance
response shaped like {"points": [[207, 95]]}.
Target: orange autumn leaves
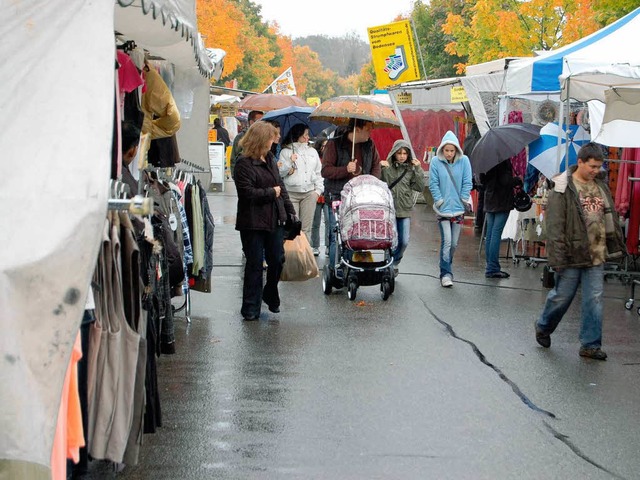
{"points": [[249, 53], [491, 32]]}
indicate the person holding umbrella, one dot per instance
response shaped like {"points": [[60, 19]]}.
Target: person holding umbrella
{"points": [[498, 183], [349, 153], [490, 161], [450, 184], [299, 166]]}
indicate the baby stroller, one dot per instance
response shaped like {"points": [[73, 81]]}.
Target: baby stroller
{"points": [[365, 225]]}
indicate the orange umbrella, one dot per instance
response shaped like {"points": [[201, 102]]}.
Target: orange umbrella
{"points": [[339, 110], [265, 102]]}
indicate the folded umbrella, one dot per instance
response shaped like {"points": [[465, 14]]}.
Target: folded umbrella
{"points": [[501, 143]]}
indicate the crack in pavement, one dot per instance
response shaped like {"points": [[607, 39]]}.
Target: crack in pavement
{"points": [[563, 438]]}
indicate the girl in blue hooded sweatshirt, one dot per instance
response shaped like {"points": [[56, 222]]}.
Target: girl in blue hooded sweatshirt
{"points": [[450, 185]]}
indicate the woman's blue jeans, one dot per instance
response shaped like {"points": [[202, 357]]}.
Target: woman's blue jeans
{"points": [[560, 297], [495, 224], [403, 226], [449, 235]]}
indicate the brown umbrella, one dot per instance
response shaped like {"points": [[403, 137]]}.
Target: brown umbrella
{"points": [[339, 110], [265, 102]]}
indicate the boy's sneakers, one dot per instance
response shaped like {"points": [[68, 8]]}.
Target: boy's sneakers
{"points": [[316, 251], [446, 282], [595, 353]]}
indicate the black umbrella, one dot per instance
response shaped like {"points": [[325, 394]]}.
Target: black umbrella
{"points": [[501, 143]]}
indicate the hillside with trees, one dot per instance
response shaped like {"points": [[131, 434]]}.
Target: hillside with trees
{"points": [[344, 55]]}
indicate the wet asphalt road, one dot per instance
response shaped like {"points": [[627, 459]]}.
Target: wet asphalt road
{"points": [[432, 384]]}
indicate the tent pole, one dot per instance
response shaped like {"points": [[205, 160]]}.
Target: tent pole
{"points": [[559, 140], [568, 118]]}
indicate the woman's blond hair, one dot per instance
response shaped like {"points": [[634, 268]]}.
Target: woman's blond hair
{"points": [[258, 139]]}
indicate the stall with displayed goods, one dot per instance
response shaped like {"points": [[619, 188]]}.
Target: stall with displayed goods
{"points": [[88, 272]]}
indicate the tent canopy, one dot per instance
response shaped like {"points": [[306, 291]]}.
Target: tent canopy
{"points": [[614, 44]]}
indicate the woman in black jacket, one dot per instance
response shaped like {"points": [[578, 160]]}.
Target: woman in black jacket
{"points": [[498, 183], [263, 206]]}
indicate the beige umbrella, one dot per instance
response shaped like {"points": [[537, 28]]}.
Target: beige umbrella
{"points": [[265, 102], [339, 110]]}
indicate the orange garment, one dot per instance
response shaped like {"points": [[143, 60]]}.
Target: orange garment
{"points": [[69, 435]]}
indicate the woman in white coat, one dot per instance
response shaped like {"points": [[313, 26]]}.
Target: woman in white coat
{"points": [[299, 166]]}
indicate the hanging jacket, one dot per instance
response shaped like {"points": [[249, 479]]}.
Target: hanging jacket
{"points": [[412, 182], [161, 115], [447, 201]]}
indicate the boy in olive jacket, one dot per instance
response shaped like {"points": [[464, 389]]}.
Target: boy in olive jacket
{"points": [[584, 232]]}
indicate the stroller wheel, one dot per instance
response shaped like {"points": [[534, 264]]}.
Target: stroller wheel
{"points": [[327, 287], [385, 289], [352, 290]]}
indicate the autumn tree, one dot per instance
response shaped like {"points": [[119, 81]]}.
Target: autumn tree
{"points": [[367, 79], [496, 29], [428, 19], [219, 21]]}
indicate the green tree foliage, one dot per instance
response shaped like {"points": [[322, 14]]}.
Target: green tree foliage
{"points": [[428, 19], [608, 11]]}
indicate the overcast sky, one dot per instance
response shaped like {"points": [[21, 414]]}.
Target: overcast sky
{"points": [[334, 18]]}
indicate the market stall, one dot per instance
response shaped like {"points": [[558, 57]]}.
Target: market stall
{"points": [[58, 132]]}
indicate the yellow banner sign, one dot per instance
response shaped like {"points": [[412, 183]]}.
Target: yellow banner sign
{"points": [[458, 95], [404, 98], [394, 55]]}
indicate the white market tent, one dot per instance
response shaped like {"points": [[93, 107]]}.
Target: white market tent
{"points": [[57, 102], [586, 70]]}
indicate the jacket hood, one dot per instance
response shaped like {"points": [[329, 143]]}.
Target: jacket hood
{"points": [[449, 139], [397, 145], [561, 180]]}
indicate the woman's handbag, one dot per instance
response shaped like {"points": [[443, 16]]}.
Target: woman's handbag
{"points": [[299, 262]]}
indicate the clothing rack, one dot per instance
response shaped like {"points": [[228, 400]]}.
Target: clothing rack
{"points": [[137, 205], [193, 167], [119, 191]]}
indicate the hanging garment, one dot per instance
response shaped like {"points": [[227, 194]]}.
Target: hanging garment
{"points": [[202, 281], [149, 263], [161, 115], [633, 231], [69, 436], [519, 161], [137, 319], [112, 400], [164, 152], [198, 231], [129, 77]]}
